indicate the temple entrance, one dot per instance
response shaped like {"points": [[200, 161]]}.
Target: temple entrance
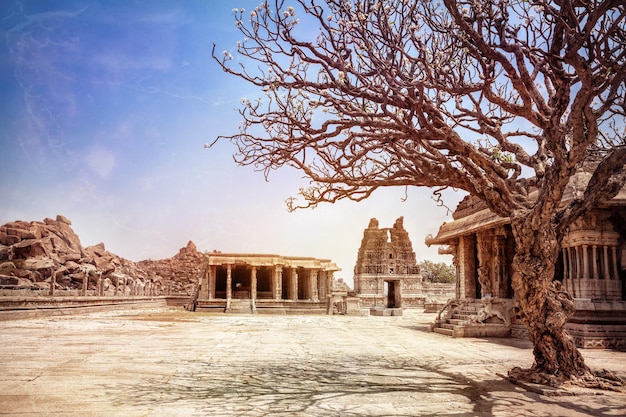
{"points": [[241, 281], [389, 291]]}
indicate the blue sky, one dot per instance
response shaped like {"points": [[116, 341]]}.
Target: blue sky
{"points": [[106, 107]]}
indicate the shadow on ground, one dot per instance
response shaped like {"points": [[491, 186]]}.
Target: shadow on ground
{"points": [[366, 386]]}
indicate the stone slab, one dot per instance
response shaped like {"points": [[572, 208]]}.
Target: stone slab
{"points": [[170, 362]]}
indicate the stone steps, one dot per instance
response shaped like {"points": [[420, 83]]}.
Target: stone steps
{"points": [[240, 306], [459, 324], [446, 332]]}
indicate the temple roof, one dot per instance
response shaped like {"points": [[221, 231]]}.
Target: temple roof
{"points": [[471, 216], [476, 222]]}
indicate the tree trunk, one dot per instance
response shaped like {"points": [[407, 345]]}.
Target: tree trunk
{"points": [[544, 306]]}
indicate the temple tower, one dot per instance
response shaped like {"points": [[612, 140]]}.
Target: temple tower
{"points": [[386, 272]]}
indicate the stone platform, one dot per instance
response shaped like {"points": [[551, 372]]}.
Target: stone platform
{"points": [[169, 362]]}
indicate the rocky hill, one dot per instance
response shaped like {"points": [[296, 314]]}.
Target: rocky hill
{"points": [[35, 254], [180, 272]]}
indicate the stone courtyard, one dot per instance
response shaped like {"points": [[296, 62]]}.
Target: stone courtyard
{"points": [[169, 362]]}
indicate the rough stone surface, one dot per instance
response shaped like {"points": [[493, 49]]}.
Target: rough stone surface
{"points": [[180, 272], [31, 252], [166, 362]]}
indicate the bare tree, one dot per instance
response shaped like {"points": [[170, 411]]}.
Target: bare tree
{"points": [[504, 99]]}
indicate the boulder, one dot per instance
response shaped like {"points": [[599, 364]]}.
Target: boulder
{"points": [[30, 248], [62, 219], [8, 268], [39, 264]]}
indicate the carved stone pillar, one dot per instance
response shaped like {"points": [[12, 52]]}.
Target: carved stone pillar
{"points": [[211, 274], [607, 270], [99, 285], [294, 284], [53, 282], [253, 287], [329, 283], [596, 274], [321, 285], [485, 256], [204, 283], [253, 283], [278, 282], [585, 262], [229, 286], [313, 285], [614, 253]]}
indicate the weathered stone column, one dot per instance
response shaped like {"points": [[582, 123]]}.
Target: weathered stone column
{"points": [[53, 282], [278, 282], [117, 285], [607, 270], [596, 275], [329, 283], [566, 280], [322, 284], [229, 286], [99, 285], [294, 284], [253, 282], [85, 283], [212, 272], [614, 253], [125, 286], [253, 285], [313, 285], [585, 262]]}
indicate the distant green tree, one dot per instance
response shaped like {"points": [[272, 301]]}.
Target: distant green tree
{"points": [[437, 271]]}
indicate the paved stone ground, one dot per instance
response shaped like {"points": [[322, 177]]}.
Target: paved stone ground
{"points": [[168, 362]]}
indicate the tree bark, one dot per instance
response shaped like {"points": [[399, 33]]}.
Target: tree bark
{"points": [[545, 307]]}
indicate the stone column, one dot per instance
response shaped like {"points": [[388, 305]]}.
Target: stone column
{"points": [[294, 284], [99, 285], [614, 253], [585, 262], [278, 282], [117, 285], [212, 271], [125, 286], [85, 283], [204, 283], [313, 285], [566, 280], [596, 275], [53, 282], [253, 283], [581, 271], [329, 283], [322, 283], [607, 270], [229, 286]]}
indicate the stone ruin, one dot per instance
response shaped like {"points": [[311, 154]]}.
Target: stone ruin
{"points": [[47, 258], [386, 275]]}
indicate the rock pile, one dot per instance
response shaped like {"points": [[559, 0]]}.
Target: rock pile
{"points": [[37, 255], [180, 272]]}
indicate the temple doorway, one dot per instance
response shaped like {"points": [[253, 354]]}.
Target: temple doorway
{"points": [[389, 291]]}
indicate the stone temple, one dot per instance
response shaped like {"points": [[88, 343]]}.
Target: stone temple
{"points": [[591, 267], [386, 272], [251, 283]]}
